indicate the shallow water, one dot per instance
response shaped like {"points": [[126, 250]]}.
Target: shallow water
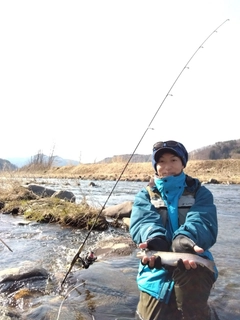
{"points": [[107, 290]]}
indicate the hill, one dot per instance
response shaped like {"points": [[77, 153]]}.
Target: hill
{"points": [[6, 165], [136, 158], [220, 150], [57, 161]]}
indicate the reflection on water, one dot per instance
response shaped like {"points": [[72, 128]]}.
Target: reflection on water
{"points": [[107, 290]]}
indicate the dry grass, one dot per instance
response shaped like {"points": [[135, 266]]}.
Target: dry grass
{"points": [[16, 199], [225, 171], [50, 210]]}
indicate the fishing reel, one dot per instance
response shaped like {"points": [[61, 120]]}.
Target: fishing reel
{"points": [[87, 260]]}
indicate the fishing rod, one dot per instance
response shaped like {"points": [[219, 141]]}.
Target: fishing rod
{"points": [[6, 245], [130, 158]]}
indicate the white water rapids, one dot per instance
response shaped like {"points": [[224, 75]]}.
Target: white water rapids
{"points": [[107, 290]]}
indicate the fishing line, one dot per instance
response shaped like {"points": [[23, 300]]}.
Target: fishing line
{"points": [[6, 245], [67, 294], [130, 158]]}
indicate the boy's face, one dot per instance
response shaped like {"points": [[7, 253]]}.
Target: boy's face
{"points": [[169, 165]]}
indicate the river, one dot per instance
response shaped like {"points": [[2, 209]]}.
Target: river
{"points": [[107, 289]]}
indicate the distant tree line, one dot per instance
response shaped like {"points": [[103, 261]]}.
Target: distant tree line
{"points": [[220, 150], [136, 158]]}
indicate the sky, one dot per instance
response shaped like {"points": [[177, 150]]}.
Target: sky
{"points": [[86, 80]]}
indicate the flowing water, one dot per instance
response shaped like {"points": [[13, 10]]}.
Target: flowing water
{"points": [[107, 290]]}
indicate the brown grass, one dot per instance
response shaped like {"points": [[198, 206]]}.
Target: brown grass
{"points": [[225, 171], [14, 196], [18, 200]]}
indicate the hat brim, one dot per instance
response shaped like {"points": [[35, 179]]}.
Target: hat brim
{"points": [[161, 151]]}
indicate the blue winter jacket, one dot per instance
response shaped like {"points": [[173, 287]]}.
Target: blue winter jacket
{"points": [[197, 219]]}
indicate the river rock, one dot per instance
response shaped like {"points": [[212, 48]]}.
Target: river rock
{"points": [[114, 246], [213, 181], [93, 184], [8, 315], [126, 222], [40, 190], [65, 195], [15, 278], [119, 211]]}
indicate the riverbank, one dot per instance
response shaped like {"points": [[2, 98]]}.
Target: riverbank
{"points": [[223, 171]]}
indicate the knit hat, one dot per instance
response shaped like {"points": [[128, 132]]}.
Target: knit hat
{"points": [[171, 146]]}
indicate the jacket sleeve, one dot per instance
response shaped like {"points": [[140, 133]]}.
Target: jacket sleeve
{"points": [[145, 221], [201, 223]]}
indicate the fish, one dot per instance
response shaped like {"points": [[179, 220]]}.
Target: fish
{"points": [[171, 258]]}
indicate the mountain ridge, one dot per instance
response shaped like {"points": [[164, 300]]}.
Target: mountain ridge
{"points": [[24, 161], [220, 150]]}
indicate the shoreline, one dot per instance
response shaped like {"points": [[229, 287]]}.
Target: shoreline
{"points": [[13, 193], [225, 171]]}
